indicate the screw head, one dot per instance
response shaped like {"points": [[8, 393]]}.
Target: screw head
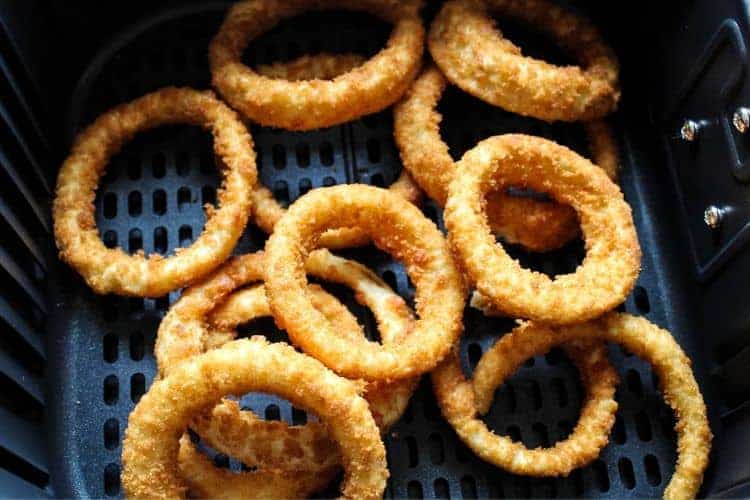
{"points": [[689, 130], [712, 216], [741, 120]]}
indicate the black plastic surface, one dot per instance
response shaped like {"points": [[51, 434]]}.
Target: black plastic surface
{"points": [[101, 349]]}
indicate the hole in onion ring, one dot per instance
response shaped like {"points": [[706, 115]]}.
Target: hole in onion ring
{"points": [[533, 42], [370, 33], [522, 394]]}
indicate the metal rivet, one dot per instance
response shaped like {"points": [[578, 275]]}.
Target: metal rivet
{"points": [[689, 130], [712, 216], [741, 120]]}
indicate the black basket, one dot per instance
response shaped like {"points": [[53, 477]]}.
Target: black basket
{"points": [[65, 404]]}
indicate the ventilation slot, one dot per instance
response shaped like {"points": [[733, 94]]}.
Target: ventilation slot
{"points": [[326, 154], [111, 434], [110, 348], [159, 202], [112, 480], [627, 476], [468, 487], [111, 390], [137, 387], [137, 346], [273, 412], [442, 490], [437, 451], [414, 490]]}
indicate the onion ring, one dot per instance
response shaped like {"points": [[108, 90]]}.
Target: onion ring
{"points": [[396, 227], [322, 66], [184, 332], [112, 270], [472, 53], [461, 404], [669, 362], [612, 263], [267, 211], [150, 447], [539, 226], [240, 434], [311, 104]]}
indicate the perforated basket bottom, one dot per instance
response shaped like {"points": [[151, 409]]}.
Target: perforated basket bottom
{"points": [[152, 199]]}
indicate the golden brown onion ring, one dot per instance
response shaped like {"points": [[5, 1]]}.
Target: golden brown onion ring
{"points": [[669, 362], [277, 445], [472, 53], [539, 226], [612, 261], [462, 404], [112, 270], [396, 227], [150, 447], [267, 211], [185, 331], [311, 104]]}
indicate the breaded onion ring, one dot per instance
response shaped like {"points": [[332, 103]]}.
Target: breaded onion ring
{"points": [[267, 211], [612, 263], [461, 405], [150, 447], [472, 53], [112, 270], [669, 362], [242, 435], [322, 66], [539, 226], [185, 332], [311, 104], [396, 227], [204, 480]]}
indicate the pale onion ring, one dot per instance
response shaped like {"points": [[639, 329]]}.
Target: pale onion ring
{"points": [[112, 270], [311, 104], [204, 480], [537, 225], [396, 227], [472, 53], [461, 405], [612, 263], [150, 447], [321, 66], [669, 362]]}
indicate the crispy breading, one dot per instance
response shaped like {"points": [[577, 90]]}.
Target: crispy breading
{"points": [[472, 53], [612, 263], [397, 227], [112, 270], [312, 104]]}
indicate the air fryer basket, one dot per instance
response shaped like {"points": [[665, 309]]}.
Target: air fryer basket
{"points": [[65, 404]]}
